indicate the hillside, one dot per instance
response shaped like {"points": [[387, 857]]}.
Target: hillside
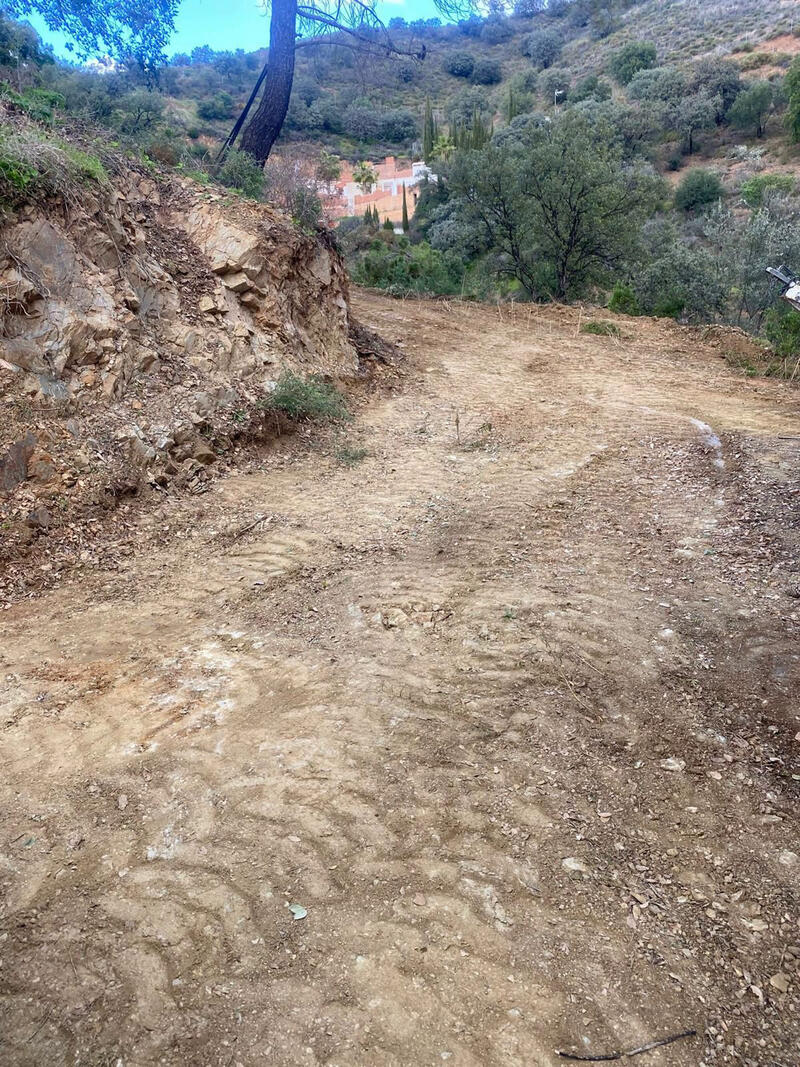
{"points": [[368, 106]]}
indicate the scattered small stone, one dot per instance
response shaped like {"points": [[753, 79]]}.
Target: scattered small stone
{"points": [[570, 863], [672, 764]]}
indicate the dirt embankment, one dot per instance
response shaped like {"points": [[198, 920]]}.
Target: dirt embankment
{"points": [[465, 737], [141, 324]]}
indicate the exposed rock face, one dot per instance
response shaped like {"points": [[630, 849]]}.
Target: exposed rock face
{"points": [[143, 324], [145, 274]]}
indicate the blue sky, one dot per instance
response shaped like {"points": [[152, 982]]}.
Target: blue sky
{"points": [[227, 24]]}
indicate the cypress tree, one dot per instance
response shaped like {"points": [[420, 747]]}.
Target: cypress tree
{"points": [[405, 211], [428, 131]]}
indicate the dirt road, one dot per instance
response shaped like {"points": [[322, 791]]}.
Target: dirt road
{"points": [[506, 711]]}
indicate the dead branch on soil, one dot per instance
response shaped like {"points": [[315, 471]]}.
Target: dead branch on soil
{"points": [[631, 1052]]}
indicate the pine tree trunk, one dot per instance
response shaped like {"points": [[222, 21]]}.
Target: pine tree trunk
{"points": [[265, 126]]}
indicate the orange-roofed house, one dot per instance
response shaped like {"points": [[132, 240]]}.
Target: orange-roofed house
{"points": [[345, 197]]}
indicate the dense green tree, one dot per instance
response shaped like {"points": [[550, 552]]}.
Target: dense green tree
{"points": [[460, 64], [718, 78], [137, 111], [554, 85], [558, 207], [543, 47], [694, 113], [590, 88], [629, 60], [120, 28], [216, 107], [496, 30], [741, 246], [666, 85], [752, 106], [487, 72], [462, 107], [676, 279]]}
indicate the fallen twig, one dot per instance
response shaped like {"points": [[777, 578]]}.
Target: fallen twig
{"points": [[631, 1052], [41, 1024]]}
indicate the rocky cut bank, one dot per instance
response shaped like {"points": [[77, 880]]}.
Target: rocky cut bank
{"points": [[142, 322]]}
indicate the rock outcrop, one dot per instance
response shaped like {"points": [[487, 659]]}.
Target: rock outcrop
{"points": [[140, 326]]}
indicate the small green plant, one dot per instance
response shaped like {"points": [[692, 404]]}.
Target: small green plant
{"points": [[509, 613], [350, 456], [240, 171], [85, 165], [16, 175], [199, 176], [623, 300], [601, 328], [302, 399], [33, 165]]}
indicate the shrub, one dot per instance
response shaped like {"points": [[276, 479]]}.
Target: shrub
{"points": [[240, 171], [782, 330], [754, 189], [590, 88], [85, 165], [31, 166], [17, 175], [554, 84], [698, 189], [460, 64], [398, 125], [544, 47], [601, 328], [623, 300], [636, 56], [217, 107], [41, 103], [302, 399], [487, 72], [405, 268], [163, 150], [496, 30]]}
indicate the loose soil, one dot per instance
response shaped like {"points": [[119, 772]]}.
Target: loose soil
{"points": [[507, 707]]}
